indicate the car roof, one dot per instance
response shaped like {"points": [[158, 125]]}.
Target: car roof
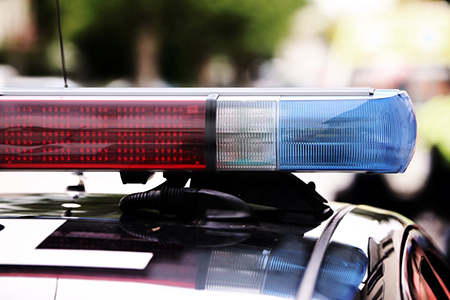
{"points": [[95, 242]]}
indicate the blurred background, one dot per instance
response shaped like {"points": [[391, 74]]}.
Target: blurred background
{"points": [[285, 43]]}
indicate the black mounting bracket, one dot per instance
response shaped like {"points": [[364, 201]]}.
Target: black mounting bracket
{"points": [[136, 176], [289, 195]]}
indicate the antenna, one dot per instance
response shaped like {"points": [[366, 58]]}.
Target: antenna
{"points": [[58, 13]]}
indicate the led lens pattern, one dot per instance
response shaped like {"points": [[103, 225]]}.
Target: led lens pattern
{"points": [[246, 135], [375, 135], [99, 133], [373, 132]]}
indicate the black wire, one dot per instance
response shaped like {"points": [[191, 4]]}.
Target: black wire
{"points": [[58, 13]]}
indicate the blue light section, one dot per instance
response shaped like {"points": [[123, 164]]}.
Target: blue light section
{"points": [[374, 134]]}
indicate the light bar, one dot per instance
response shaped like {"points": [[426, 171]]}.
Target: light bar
{"points": [[207, 129]]}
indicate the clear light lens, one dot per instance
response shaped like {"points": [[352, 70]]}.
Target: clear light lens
{"points": [[246, 134]]}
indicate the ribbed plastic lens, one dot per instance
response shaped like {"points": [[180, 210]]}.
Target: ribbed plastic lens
{"points": [[295, 130], [102, 133], [375, 133], [368, 134], [246, 134]]}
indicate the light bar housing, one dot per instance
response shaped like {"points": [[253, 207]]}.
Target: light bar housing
{"points": [[190, 129]]}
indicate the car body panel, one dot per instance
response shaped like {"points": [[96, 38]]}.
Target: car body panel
{"points": [[91, 249]]}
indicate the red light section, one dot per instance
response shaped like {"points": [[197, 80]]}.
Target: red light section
{"points": [[100, 133]]}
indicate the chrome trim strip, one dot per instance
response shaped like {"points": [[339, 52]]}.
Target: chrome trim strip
{"points": [[187, 91], [306, 289]]}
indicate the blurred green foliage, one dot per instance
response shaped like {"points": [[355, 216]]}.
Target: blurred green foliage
{"points": [[188, 33]]}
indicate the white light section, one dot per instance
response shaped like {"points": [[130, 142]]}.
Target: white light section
{"points": [[246, 133]]}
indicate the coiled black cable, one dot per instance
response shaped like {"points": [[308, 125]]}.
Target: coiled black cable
{"points": [[188, 203]]}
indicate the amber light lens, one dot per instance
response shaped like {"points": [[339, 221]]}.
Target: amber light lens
{"points": [[116, 133]]}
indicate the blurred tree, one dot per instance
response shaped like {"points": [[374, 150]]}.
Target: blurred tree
{"points": [[149, 39]]}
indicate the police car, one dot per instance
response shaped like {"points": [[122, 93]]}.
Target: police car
{"points": [[231, 219]]}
